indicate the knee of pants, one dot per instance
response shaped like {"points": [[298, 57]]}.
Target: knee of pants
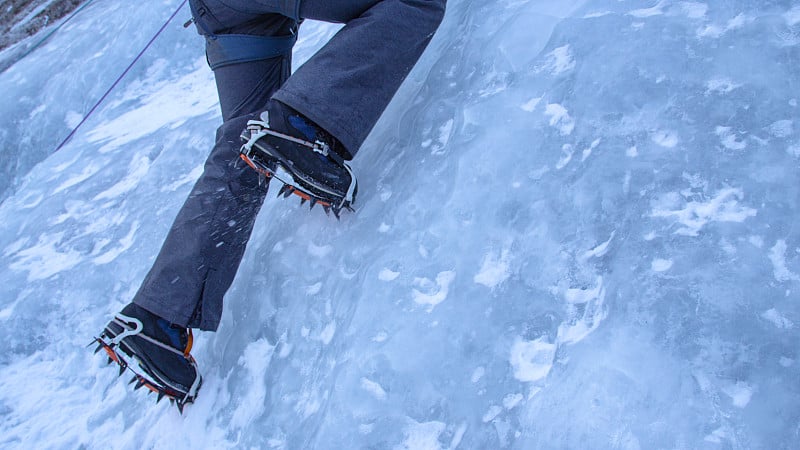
{"points": [[243, 16]]}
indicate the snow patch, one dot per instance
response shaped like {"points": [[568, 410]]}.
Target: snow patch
{"points": [[445, 131], [560, 119], [327, 333], [597, 14], [137, 169], [777, 255], [721, 86], [716, 31], [124, 244], [72, 119], [585, 311], [588, 151], [661, 265], [792, 16], [189, 178], [729, 139], [46, 258], [532, 360], [434, 292], [794, 150], [567, 151], [373, 388], [717, 436], [740, 393], [319, 251], [422, 436], [665, 138], [781, 128], [494, 269], [85, 174], [695, 215], [656, 10], [531, 104], [492, 413], [510, 401], [388, 275], [255, 359], [693, 10], [777, 319], [314, 289], [559, 61], [170, 104], [598, 251]]}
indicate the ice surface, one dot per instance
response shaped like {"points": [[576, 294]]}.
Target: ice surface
{"points": [[576, 229]]}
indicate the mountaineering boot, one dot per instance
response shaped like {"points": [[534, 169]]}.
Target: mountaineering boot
{"points": [[156, 351], [309, 161]]}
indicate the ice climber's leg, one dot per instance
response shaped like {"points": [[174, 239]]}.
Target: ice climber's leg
{"points": [[152, 337], [202, 252], [344, 89]]}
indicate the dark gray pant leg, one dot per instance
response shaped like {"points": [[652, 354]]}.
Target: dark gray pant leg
{"points": [[347, 85], [202, 252]]}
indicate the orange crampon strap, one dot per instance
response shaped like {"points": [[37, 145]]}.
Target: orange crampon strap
{"points": [[189, 344]]}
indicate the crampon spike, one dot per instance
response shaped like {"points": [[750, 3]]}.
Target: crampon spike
{"points": [[302, 201], [139, 384], [133, 380], [327, 209], [313, 203], [121, 370], [99, 347], [160, 396], [285, 191], [109, 361]]}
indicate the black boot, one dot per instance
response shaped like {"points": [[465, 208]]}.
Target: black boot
{"points": [[156, 351], [309, 161]]}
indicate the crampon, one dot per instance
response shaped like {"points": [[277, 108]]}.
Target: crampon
{"points": [[268, 153], [125, 345]]}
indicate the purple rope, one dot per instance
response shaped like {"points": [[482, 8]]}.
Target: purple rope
{"points": [[125, 72]]}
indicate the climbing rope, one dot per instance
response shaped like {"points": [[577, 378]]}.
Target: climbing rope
{"points": [[119, 78]]}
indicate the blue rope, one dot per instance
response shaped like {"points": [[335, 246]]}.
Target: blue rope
{"points": [[119, 78]]}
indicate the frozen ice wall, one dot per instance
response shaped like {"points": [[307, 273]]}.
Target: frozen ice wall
{"points": [[576, 229]]}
